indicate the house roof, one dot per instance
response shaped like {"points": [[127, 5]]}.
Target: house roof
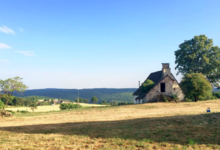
{"points": [[155, 77]]}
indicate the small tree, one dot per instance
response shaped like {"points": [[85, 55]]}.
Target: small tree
{"points": [[11, 85], [94, 99], [33, 106], [80, 100], [195, 85], [86, 100]]}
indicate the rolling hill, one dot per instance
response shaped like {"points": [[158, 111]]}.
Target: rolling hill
{"points": [[108, 94]]}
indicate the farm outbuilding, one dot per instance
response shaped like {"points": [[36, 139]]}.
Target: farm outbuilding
{"points": [[164, 83]]}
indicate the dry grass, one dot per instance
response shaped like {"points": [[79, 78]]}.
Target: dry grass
{"points": [[143, 126], [48, 108], [92, 105], [39, 108]]}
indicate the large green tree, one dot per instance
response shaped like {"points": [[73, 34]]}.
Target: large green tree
{"points": [[94, 99], [198, 55], [10, 86], [195, 85]]}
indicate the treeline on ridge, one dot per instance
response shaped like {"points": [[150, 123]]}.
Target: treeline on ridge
{"points": [[108, 95]]}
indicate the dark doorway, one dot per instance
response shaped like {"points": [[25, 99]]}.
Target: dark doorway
{"points": [[162, 87]]}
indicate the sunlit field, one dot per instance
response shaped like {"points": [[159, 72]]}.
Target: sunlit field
{"points": [[48, 108], [166, 126]]}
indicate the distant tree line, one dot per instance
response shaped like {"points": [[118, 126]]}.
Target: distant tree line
{"points": [[94, 100], [25, 101], [81, 100], [71, 94]]}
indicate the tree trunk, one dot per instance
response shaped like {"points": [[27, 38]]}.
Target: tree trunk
{"points": [[196, 99], [5, 104]]}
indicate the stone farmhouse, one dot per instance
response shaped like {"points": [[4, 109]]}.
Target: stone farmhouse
{"points": [[165, 84]]}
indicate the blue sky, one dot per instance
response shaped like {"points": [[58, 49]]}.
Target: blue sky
{"points": [[98, 43]]}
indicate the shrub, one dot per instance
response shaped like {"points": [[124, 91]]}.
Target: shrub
{"points": [[112, 103], [147, 85], [124, 103], [191, 142], [168, 98], [165, 99], [73, 106], [63, 106], [174, 97], [103, 102], [69, 106], [216, 94], [24, 111], [188, 100]]}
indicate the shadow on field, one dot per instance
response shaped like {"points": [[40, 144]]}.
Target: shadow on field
{"points": [[202, 129]]}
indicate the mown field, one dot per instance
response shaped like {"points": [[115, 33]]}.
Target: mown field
{"points": [[145, 126], [48, 108]]}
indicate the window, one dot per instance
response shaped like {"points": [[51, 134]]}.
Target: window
{"points": [[162, 87]]}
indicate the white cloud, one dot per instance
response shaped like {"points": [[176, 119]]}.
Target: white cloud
{"points": [[21, 30], [26, 53], [4, 46], [6, 30], [4, 61]]}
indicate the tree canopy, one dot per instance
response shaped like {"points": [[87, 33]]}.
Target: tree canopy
{"points": [[80, 100], [198, 55], [94, 99], [11, 85], [195, 85]]}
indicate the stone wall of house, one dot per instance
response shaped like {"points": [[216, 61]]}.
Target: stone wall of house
{"points": [[178, 91], [171, 87]]}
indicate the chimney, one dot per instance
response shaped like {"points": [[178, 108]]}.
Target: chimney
{"points": [[166, 69], [139, 83]]}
